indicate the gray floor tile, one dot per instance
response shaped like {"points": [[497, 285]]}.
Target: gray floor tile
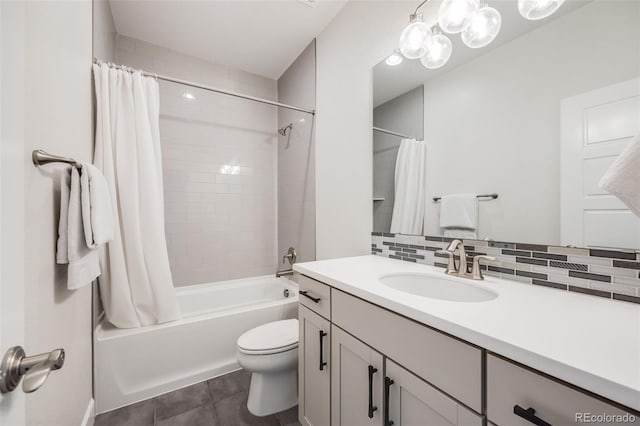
{"points": [[232, 411], [203, 415], [224, 386], [288, 417], [139, 414], [181, 400]]}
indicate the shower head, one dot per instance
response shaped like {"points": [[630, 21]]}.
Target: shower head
{"points": [[283, 130]]}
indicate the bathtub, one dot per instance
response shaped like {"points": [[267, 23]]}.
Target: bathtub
{"points": [[131, 365]]}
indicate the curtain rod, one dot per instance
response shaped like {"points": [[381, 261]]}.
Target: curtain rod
{"points": [[391, 132], [203, 87]]}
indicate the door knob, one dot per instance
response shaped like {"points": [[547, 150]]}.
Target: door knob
{"points": [[35, 369]]}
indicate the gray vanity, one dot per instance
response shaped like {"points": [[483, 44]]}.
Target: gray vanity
{"points": [[371, 354]]}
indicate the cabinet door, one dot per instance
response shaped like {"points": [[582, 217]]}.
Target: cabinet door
{"points": [[413, 402], [314, 377], [356, 382]]}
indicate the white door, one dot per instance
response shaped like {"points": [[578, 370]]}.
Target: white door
{"points": [[45, 103], [596, 126], [413, 402], [314, 369], [356, 381], [12, 170]]}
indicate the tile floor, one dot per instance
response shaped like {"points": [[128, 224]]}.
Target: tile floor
{"points": [[218, 402]]}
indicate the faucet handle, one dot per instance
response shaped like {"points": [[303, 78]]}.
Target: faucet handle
{"points": [[291, 256], [451, 266], [476, 272]]}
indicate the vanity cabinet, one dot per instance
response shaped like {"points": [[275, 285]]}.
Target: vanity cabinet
{"points": [[364, 365], [517, 396], [314, 368]]}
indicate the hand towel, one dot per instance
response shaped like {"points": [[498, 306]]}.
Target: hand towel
{"points": [[97, 215], [459, 215], [622, 179], [82, 229]]}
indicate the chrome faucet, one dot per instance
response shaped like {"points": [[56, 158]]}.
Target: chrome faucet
{"points": [[462, 269]]}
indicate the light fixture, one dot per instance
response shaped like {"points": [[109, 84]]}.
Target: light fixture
{"points": [[478, 24], [414, 38], [538, 9], [188, 96], [394, 59], [439, 50], [453, 15], [484, 26]]}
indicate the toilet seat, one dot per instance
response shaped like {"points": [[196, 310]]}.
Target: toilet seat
{"points": [[270, 338]]}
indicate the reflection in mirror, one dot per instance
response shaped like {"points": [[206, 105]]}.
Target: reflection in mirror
{"points": [[537, 117]]}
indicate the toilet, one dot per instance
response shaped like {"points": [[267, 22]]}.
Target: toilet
{"points": [[270, 353]]}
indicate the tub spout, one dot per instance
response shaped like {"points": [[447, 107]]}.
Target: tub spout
{"points": [[283, 273]]}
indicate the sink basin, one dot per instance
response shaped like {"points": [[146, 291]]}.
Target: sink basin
{"points": [[438, 287]]}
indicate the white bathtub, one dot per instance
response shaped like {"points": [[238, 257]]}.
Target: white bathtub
{"points": [[135, 364]]}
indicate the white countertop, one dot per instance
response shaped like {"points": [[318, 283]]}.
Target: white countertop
{"points": [[591, 342]]}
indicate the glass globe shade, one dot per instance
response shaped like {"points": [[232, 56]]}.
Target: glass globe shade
{"points": [[453, 15], [439, 51], [538, 9], [484, 26], [414, 38]]}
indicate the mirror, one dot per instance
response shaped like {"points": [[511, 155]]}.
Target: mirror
{"points": [[528, 124]]}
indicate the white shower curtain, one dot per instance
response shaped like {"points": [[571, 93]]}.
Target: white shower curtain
{"points": [[136, 288], [408, 206]]}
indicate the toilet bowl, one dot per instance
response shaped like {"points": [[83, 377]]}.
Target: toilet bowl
{"points": [[270, 353]]}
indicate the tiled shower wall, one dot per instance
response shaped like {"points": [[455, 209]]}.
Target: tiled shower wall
{"points": [[219, 164], [603, 273]]}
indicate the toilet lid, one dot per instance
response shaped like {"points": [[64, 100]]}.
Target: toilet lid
{"points": [[275, 336]]}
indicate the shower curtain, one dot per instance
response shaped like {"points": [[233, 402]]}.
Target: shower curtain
{"points": [[136, 288], [408, 205]]}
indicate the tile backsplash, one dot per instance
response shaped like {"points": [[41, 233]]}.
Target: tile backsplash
{"points": [[604, 273]]}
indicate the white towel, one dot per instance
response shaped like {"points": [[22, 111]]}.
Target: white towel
{"points": [[622, 179], [97, 214], [459, 215], [79, 235]]}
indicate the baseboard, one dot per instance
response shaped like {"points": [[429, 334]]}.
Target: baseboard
{"points": [[89, 415]]}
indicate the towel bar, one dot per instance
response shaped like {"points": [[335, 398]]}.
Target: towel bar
{"points": [[489, 196], [40, 158]]}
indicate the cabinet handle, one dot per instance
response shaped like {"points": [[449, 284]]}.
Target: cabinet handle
{"points": [[308, 296], [529, 415], [322, 362], [387, 384], [372, 408]]}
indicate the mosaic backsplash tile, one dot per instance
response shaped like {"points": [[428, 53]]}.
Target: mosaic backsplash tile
{"points": [[603, 273]]}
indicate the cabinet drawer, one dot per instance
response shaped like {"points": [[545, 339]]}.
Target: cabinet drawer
{"points": [[509, 385], [315, 296], [449, 364]]}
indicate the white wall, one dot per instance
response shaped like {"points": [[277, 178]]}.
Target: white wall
{"points": [[360, 36], [104, 31], [219, 163], [403, 114], [296, 159], [498, 117], [46, 107]]}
